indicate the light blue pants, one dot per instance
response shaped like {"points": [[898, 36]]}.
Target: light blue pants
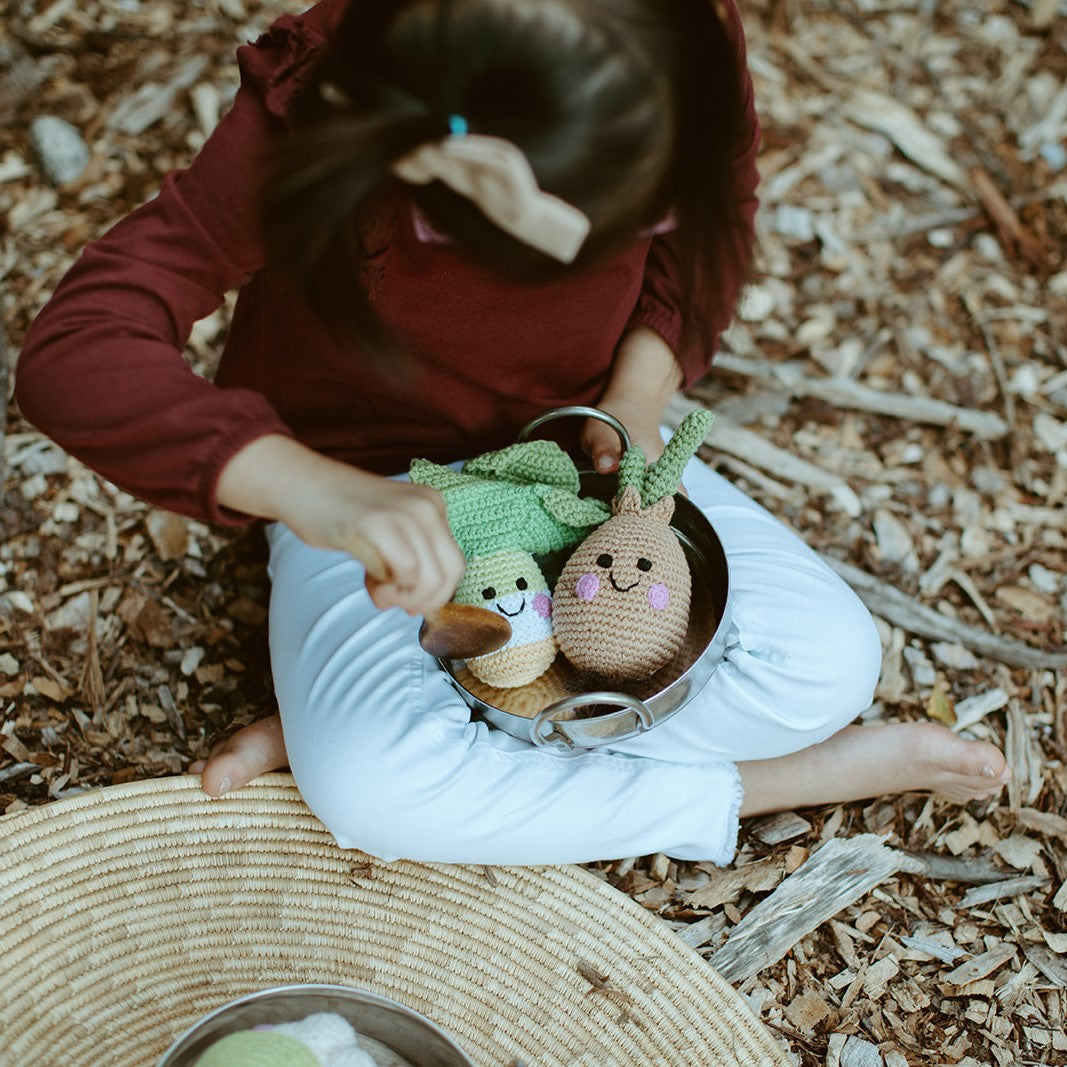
{"points": [[384, 752]]}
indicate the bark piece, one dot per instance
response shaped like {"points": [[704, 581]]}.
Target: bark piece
{"points": [[837, 875]]}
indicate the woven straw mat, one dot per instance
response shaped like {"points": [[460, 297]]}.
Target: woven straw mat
{"points": [[129, 912]]}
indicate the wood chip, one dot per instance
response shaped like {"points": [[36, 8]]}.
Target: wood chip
{"points": [[879, 975], [1011, 887], [1051, 963], [1045, 823], [774, 829], [700, 933], [1018, 850], [727, 885], [1059, 901], [981, 966], [806, 1011], [854, 1051], [169, 534]]}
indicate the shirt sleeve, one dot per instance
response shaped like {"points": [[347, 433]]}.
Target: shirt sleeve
{"points": [[101, 370], [660, 304]]}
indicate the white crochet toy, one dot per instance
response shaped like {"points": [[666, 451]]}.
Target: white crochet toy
{"points": [[322, 1040]]}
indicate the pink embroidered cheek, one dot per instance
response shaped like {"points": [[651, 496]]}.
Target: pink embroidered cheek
{"points": [[542, 604], [587, 587], [658, 596]]}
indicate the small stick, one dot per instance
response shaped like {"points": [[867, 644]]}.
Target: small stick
{"points": [[915, 618], [1013, 235]]}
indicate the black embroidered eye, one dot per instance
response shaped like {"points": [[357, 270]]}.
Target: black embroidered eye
{"points": [[644, 564], [489, 592], [521, 583], [604, 560]]}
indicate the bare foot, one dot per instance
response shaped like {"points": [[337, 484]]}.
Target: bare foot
{"points": [[252, 751], [873, 761]]}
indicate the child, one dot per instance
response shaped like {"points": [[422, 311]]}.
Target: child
{"points": [[445, 217]]}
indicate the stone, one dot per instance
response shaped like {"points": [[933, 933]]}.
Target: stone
{"points": [[63, 153]]}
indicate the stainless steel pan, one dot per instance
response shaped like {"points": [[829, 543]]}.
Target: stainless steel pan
{"points": [[565, 710]]}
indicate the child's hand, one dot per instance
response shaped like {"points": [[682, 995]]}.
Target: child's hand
{"points": [[643, 380], [397, 530], [601, 443], [400, 533]]}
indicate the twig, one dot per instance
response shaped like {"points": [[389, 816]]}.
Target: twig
{"points": [[727, 436], [904, 611], [1013, 235], [1010, 887], [91, 685], [996, 360], [953, 216], [845, 393], [966, 583], [958, 869], [919, 224]]}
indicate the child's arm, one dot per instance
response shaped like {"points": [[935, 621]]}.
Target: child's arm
{"points": [[645, 376], [397, 530], [101, 369]]}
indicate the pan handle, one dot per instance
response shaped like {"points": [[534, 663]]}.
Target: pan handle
{"points": [[582, 700], [580, 410]]}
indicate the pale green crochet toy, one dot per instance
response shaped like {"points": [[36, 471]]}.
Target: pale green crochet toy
{"points": [[504, 508], [321, 1040]]}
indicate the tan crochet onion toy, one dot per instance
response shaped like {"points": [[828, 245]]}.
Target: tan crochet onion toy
{"points": [[622, 600]]}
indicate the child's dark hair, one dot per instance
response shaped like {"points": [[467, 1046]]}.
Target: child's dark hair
{"points": [[626, 109]]}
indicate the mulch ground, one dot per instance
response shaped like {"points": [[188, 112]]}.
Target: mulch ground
{"points": [[895, 388]]}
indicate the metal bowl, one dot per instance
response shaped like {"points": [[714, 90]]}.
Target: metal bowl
{"points": [[395, 1036], [564, 709]]}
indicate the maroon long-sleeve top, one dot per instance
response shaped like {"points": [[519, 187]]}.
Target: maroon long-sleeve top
{"points": [[102, 371]]}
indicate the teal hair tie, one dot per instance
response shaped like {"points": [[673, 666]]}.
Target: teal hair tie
{"points": [[457, 125]]}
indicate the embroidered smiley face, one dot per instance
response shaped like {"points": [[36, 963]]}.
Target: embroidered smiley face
{"points": [[511, 584], [588, 585], [622, 600]]}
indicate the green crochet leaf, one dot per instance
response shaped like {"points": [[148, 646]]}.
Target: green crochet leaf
{"points": [[574, 511], [632, 468], [258, 1048], [528, 462], [524, 497], [423, 472], [664, 476]]}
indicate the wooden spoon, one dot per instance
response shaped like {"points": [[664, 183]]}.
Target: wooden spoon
{"points": [[463, 631], [453, 631]]}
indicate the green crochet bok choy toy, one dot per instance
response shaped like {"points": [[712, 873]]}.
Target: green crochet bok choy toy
{"points": [[505, 508]]}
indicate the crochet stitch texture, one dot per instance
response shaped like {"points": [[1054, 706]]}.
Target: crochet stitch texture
{"points": [[524, 497], [622, 600]]}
